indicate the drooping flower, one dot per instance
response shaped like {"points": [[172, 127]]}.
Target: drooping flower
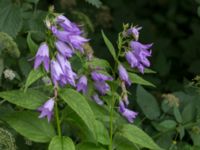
{"points": [[100, 77], [42, 56], [141, 52], [74, 40], [102, 87], [57, 74], [46, 110], [132, 59], [97, 99], [82, 84], [67, 25], [123, 74], [65, 65], [128, 114], [134, 31], [64, 49]]}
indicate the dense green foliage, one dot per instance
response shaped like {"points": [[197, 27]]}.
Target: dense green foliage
{"points": [[167, 97]]}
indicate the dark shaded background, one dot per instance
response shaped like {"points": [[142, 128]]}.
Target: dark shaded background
{"points": [[172, 25]]}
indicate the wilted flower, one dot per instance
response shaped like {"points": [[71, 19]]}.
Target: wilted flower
{"points": [[102, 87], [57, 75], [64, 49], [42, 56], [100, 77], [134, 31], [47, 109], [128, 114], [82, 84], [97, 99], [9, 74], [123, 74]]}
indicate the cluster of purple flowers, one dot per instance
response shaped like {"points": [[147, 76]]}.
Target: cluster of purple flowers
{"points": [[68, 39], [100, 85], [137, 57]]}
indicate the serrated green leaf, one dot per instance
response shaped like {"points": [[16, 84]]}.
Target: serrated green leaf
{"points": [[147, 103], [63, 143], [88, 146], [96, 3], [109, 46], [33, 76], [11, 18], [29, 125], [31, 44], [102, 133], [97, 62], [31, 99], [80, 105], [137, 136], [188, 113], [139, 80]]}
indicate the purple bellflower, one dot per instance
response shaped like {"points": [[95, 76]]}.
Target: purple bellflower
{"points": [[82, 84], [46, 110], [42, 56], [100, 77], [97, 99], [128, 114], [67, 25], [57, 75], [139, 55], [102, 87], [123, 74], [65, 65], [64, 49]]}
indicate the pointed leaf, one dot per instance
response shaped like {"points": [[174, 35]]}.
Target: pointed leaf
{"points": [[137, 136], [31, 99], [109, 46], [29, 125], [63, 143], [80, 105]]}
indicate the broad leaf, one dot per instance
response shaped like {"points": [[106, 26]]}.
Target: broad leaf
{"points": [[29, 125], [11, 17], [33, 76], [147, 103], [139, 80], [31, 99], [80, 105], [61, 143], [109, 46], [168, 124], [137, 136], [88, 146]]}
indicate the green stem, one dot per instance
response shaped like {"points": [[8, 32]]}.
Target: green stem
{"points": [[58, 120], [111, 121]]}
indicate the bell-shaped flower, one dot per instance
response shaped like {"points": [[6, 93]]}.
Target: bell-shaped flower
{"points": [[123, 74], [96, 98], [42, 56], [132, 59], [67, 25], [64, 49], [100, 77], [57, 74], [46, 110], [102, 87], [82, 84], [134, 31], [69, 75], [128, 114]]}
